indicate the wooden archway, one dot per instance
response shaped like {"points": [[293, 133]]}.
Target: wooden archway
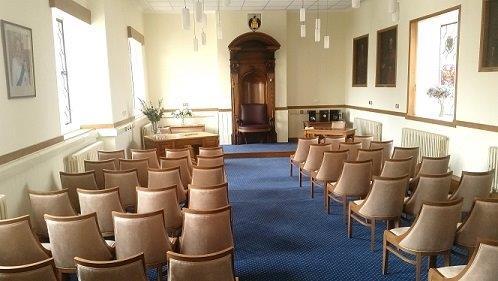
{"points": [[252, 73]]}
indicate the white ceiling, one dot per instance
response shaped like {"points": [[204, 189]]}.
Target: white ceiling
{"points": [[159, 6]]}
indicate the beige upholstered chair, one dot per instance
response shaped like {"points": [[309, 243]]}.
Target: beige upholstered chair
{"points": [[161, 178], [72, 181], [431, 188], [127, 181], [207, 198], [131, 269], [211, 151], [313, 161], [394, 168], [19, 244], [206, 232], [372, 154], [483, 266], [179, 153], [216, 266], [330, 169], [430, 166], [103, 203], [386, 145], [149, 154], [340, 125], [137, 233], [208, 176], [142, 167], [473, 185], [114, 155], [155, 199], [365, 140], [335, 141], [99, 167], [303, 148], [183, 163], [406, 152], [482, 223], [54, 203], [353, 182], [41, 271], [384, 202], [431, 234], [210, 161], [77, 236], [353, 149]]}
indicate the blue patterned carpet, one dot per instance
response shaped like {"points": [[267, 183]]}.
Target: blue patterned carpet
{"points": [[259, 147], [283, 234]]}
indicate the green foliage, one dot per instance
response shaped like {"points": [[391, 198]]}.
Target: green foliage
{"points": [[153, 113]]}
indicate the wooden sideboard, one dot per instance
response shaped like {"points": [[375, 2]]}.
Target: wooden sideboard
{"points": [[348, 133], [175, 129], [181, 140]]}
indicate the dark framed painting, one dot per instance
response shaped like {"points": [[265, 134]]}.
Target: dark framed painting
{"points": [[19, 62], [360, 61], [387, 45], [488, 58]]}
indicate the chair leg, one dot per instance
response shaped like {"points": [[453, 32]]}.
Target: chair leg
{"points": [[372, 235], [290, 173], [312, 188], [345, 208], [160, 273], [300, 178], [447, 258], [350, 227], [327, 202], [385, 257], [418, 266], [432, 261]]}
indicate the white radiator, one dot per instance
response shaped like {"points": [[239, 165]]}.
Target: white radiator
{"points": [[75, 163], [3, 207], [493, 164], [430, 144], [365, 127]]}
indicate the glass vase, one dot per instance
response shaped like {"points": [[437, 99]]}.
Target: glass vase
{"points": [[155, 128]]}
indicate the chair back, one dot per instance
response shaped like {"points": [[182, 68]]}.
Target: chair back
{"points": [[482, 222], [372, 154], [354, 179], [126, 181], [386, 145], [365, 141], [206, 232], [332, 164], [473, 185], [335, 141], [434, 165], [211, 151], [394, 168], [179, 153], [99, 167], [406, 152], [209, 176], [352, 147], [315, 157], [54, 203], [434, 229], [182, 162], [137, 233], [73, 181], [430, 188], [217, 266], [483, 265], [161, 178], [210, 161], [208, 198], [76, 236], [149, 154], [142, 167], [18, 243], [386, 197], [103, 203], [43, 270], [114, 155], [151, 200], [303, 148], [253, 114], [132, 268]]}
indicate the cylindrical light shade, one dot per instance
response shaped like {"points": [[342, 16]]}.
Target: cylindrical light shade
{"points": [[303, 30], [198, 11], [196, 44], [326, 42], [203, 38], [355, 3], [302, 14], [392, 6], [317, 35], [395, 15], [317, 24], [204, 20], [185, 18]]}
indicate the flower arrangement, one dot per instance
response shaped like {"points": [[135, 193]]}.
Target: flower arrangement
{"points": [[182, 113], [440, 93], [153, 113]]}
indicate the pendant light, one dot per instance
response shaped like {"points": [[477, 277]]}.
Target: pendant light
{"points": [[317, 23], [391, 7], [218, 23], [185, 17], [303, 30], [204, 25], [326, 38], [198, 11], [395, 14], [355, 4], [203, 38], [196, 42], [302, 19]]}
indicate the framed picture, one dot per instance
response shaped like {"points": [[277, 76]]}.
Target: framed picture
{"points": [[19, 63], [360, 61], [488, 58], [387, 40]]}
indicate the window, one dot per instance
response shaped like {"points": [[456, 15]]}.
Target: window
{"points": [[137, 71], [433, 68], [62, 74]]}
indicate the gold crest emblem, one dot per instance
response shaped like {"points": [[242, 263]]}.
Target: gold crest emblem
{"points": [[254, 21]]}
